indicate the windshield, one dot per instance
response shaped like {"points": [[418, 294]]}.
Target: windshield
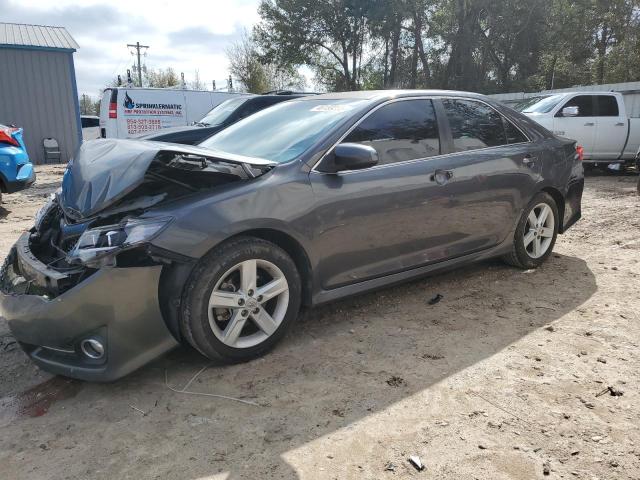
{"points": [[521, 105], [220, 113], [544, 105], [284, 131]]}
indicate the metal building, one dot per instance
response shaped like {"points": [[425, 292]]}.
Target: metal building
{"points": [[38, 87]]}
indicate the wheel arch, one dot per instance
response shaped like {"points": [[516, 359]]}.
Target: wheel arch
{"points": [[560, 203], [293, 248]]}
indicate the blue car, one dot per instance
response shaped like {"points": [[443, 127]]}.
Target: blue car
{"points": [[16, 171]]}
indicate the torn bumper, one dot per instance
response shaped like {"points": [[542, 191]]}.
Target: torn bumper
{"points": [[116, 306], [25, 176]]}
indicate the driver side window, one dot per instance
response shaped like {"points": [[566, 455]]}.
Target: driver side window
{"points": [[584, 104], [400, 131]]}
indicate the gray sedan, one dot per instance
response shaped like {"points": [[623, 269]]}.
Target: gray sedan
{"points": [[149, 245]]}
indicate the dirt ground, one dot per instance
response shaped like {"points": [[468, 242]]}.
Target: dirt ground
{"points": [[505, 378]]}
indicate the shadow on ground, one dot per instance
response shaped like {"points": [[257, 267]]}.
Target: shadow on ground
{"points": [[342, 363]]}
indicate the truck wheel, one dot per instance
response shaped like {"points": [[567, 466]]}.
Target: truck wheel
{"points": [[240, 300], [535, 234]]}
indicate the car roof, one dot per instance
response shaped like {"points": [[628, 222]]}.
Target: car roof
{"points": [[389, 94], [281, 96]]}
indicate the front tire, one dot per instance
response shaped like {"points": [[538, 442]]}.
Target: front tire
{"points": [[535, 234], [240, 300]]}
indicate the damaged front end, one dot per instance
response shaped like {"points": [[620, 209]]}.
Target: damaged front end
{"points": [[97, 218], [86, 271]]}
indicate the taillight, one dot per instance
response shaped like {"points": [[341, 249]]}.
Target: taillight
{"points": [[113, 110], [580, 152], [5, 136]]}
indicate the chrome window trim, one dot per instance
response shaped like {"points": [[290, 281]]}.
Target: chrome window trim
{"points": [[414, 160]]}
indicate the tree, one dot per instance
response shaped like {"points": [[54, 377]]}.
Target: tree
{"points": [[87, 105], [196, 83], [244, 65], [329, 36], [248, 65], [161, 78]]}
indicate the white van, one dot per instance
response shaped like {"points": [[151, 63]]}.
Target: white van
{"points": [[127, 112]]}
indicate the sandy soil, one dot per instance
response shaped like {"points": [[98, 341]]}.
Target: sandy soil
{"points": [[499, 380]]}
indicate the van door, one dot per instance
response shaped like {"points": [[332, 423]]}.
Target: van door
{"points": [[611, 133], [108, 113], [146, 110], [581, 128]]}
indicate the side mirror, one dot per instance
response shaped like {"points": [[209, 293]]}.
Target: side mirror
{"points": [[570, 112], [349, 156]]}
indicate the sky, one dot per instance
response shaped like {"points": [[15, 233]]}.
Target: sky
{"points": [[183, 34]]}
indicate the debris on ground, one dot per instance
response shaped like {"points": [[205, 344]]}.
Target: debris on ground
{"points": [[144, 414], [613, 391], [429, 356], [602, 360], [396, 381], [550, 328], [435, 299], [546, 468], [416, 462], [390, 467]]}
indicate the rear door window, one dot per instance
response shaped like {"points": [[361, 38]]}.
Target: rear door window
{"points": [[476, 125], [400, 131], [514, 135], [584, 104], [607, 106]]}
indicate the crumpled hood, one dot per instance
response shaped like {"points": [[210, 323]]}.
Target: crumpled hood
{"points": [[105, 170]]}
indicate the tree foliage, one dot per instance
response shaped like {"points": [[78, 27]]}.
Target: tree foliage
{"points": [[481, 45], [249, 66]]}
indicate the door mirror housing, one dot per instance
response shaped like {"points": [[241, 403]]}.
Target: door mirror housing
{"points": [[349, 156], [570, 111]]}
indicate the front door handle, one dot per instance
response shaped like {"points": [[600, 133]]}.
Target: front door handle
{"points": [[441, 177], [589, 124], [620, 124]]}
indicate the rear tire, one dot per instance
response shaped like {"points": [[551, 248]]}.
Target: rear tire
{"points": [[240, 300], [535, 234]]}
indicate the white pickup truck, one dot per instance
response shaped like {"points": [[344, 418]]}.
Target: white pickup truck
{"points": [[596, 120]]}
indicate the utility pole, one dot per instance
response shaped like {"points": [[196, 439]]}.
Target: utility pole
{"points": [[137, 46]]}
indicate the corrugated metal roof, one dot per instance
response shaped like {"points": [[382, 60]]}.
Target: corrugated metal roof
{"points": [[43, 36]]}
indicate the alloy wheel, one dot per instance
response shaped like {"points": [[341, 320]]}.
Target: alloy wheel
{"points": [[248, 303], [539, 230]]}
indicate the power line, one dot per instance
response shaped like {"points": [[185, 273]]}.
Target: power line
{"points": [[137, 46]]}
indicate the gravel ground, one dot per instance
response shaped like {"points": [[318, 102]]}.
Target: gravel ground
{"points": [[507, 377]]}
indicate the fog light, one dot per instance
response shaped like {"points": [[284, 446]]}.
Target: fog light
{"points": [[92, 348]]}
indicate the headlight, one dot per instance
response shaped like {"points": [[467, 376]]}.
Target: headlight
{"points": [[96, 246]]}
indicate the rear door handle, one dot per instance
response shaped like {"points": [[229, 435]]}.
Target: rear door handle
{"points": [[620, 124], [529, 161], [441, 177], [589, 124]]}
